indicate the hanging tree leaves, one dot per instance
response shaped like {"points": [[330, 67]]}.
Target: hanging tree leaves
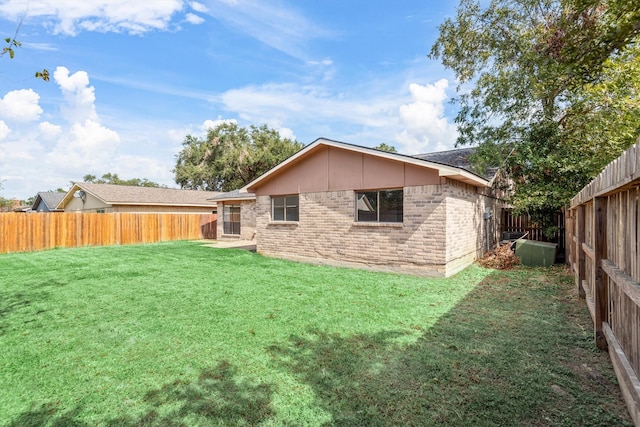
{"points": [[12, 44], [549, 89]]}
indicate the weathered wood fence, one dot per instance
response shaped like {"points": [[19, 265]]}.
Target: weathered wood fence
{"points": [[603, 225], [516, 225], [26, 232]]}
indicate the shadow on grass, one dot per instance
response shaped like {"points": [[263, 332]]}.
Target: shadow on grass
{"points": [[505, 355], [217, 397], [49, 415], [11, 302]]}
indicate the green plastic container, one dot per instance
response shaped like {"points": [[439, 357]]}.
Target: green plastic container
{"points": [[536, 254]]}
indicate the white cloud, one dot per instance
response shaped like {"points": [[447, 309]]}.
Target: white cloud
{"points": [[199, 7], [20, 106], [43, 47], [72, 16], [281, 28], [79, 95], [286, 133], [425, 127], [88, 147], [283, 103], [49, 131], [18, 153], [193, 19], [4, 130], [58, 153], [176, 136], [153, 169], [413, 121], [326, 62]]}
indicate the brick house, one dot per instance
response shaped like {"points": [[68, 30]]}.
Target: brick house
{"points": [[344, 204], [237, 211]]}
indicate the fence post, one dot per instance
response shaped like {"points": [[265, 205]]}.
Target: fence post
{"points": [[570, 236], [601, 300], [569, 249], [580, 257]]}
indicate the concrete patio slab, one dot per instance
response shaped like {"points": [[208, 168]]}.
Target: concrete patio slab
{"points": [[230, 244]]}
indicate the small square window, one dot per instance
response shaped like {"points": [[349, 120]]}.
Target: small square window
{"points": [[285, 208]]}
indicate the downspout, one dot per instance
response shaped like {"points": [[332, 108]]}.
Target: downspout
{"points": [[487, 222]]}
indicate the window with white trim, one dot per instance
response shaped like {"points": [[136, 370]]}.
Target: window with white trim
{"points": [[285, 208], [379, 206]]}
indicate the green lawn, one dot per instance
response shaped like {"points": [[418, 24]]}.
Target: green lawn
{"points": [[181, 334]]}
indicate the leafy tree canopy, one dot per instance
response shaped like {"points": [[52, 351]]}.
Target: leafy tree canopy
{"points": [[112, 178], [230, 157], [547, 88], [3, 202], [383, 146]]}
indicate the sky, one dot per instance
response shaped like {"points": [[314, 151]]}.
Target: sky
{"points": [[130, 79]]}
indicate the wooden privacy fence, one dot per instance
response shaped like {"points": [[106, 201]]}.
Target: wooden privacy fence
{"points": [[514, 225], [603, 224], [26, 232]]}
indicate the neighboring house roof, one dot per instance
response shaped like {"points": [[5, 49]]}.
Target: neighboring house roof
{"points": [[234, 195], [458, 158], [444, 170], [131, 195], [49, 198]]}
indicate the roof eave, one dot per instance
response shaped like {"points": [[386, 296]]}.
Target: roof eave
{"points": [[227, 199], [201, 205], [467, 178]]}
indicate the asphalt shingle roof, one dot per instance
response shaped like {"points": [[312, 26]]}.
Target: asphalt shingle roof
{"points": [[458, 158], [234, 195], [130, 195], [50, 198]]}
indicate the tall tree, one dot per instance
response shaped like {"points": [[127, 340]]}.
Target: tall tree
{"points": [[230, 157], [548, 88], [112, 178]]}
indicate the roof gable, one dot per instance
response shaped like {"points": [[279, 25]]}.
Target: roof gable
{"points": [[444, 170], [49, 198]]}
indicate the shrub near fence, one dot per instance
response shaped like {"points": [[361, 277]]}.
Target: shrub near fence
{"points": [[603, 225], [26, 232]]}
